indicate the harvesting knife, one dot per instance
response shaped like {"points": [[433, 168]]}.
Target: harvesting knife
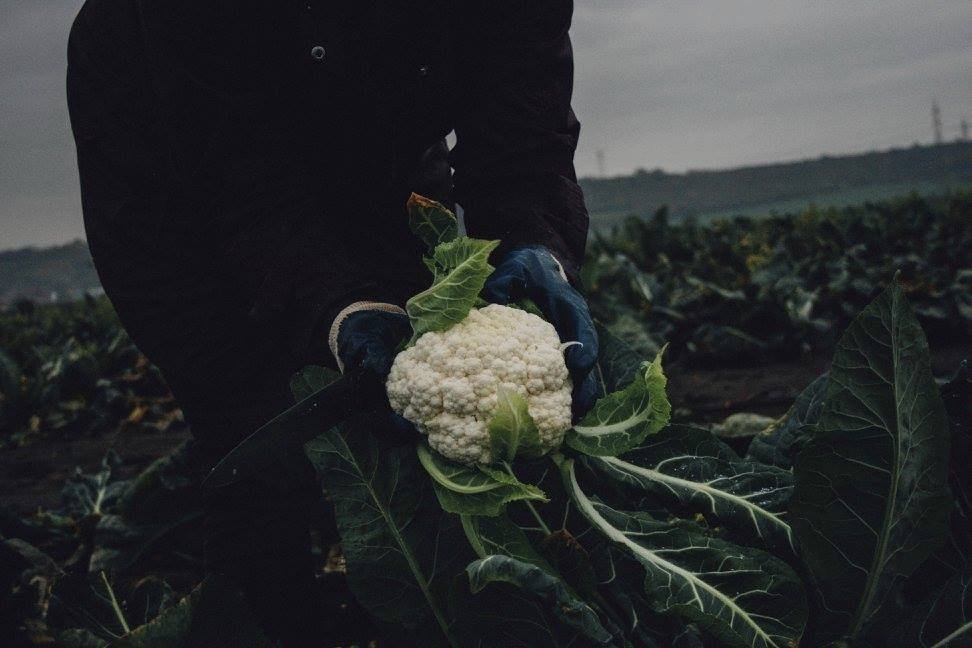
{"points": [[285, 434]]}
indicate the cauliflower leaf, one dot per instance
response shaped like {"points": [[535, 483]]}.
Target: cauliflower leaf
{"points": [[512, 431], [461, 267], [622, 419], [473, 490], [431, 221]]}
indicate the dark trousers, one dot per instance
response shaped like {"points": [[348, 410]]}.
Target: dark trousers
{"points": [[230, 378]]}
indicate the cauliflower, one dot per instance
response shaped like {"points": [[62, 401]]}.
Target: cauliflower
{"points": [[446, 384]]}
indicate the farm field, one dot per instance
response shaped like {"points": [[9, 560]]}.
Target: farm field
{"points": [[97, 513]]}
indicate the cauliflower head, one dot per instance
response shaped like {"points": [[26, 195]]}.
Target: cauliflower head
{"points": [[446, 384]]}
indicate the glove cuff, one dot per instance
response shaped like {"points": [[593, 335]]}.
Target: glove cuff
{"points": [[332, 337], [560, 267]]}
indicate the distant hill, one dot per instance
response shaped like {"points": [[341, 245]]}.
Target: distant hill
{"points": [[66, 272], [61, 273], [782, 187]]}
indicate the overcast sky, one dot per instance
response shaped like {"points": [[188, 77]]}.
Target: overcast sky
{"points": [[677, 84]]}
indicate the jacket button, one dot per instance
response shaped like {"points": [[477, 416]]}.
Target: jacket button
{"points": [[317, 53]]}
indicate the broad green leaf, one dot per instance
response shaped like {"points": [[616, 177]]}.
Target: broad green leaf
{"points": [[512, 431], [937, 602], [431, 221], [310, 379], [473, 490], [622, 419], [742, 596], [464, 267], [402, 550], [571, 560], [543, 595], [617, 362], [685, 467], [870, 501], [943, 619], [779, 443], [489, 535]]}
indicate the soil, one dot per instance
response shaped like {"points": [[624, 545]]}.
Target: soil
{"points": [[31, 477]]}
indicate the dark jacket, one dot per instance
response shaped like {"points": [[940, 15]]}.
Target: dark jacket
{"points": [[244, 164]]}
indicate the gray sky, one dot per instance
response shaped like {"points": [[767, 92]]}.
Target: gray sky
{"points": [[677, 84]]}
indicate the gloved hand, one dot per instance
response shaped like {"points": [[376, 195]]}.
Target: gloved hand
{"points": [[533, 272], [366, 343]]}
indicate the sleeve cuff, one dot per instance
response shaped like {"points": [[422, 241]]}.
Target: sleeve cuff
{"points": [[332, 336]]}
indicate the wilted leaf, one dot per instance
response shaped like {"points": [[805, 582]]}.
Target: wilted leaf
{"points": [[431, 221]]}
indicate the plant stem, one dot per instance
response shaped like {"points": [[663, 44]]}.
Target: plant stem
{"points": [[114, 604], [543, 525], [529, 504]]}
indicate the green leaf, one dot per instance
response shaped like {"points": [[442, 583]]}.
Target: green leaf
{"points": [[570, 560], [215, 613], [545, 596], [742, 596], [463, 268], [310, 379], [943, 619], [870, 501], [512, 431], [472, 490], [431, 221], [779, 443], [621, 420], [618, 362], [402, 550], [489, 535], [685, 467]]}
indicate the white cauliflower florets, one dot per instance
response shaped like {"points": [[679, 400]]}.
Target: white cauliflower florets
{"points": [[446, 384]]}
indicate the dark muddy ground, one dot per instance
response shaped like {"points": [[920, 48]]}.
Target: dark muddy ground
{"points": [[32, 476]]}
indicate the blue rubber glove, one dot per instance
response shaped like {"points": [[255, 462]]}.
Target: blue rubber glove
{"points": [[367, 342], [534, 273]]}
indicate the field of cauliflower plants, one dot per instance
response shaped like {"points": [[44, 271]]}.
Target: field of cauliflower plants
{"points": [[843, 519]]}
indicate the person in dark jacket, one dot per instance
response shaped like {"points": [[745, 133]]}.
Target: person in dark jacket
{"points": [[244, 167]]}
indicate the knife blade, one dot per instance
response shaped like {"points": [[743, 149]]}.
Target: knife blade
{"points": [[287, 432]]}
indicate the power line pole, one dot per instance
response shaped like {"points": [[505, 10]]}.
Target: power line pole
{"points": [[964, 126], [600, 162], [937, 121]]}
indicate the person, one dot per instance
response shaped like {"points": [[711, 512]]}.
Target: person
{"points": [[244, 168]]}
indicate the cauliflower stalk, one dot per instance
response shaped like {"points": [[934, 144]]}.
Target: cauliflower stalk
{"points": [[447, 383]]}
